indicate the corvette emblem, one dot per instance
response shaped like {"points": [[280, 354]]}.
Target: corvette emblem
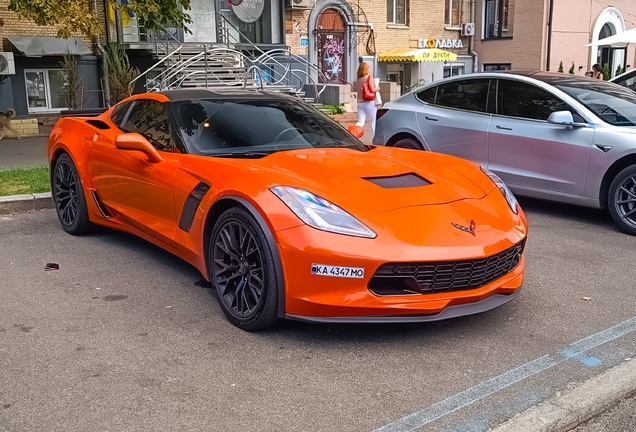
{"points": [[470, 229]]}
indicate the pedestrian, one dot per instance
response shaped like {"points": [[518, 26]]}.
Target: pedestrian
{"points": [[597, 71], [366, 89]]}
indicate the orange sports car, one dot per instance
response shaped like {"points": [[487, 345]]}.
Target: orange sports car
{"points": [[286, 213]]}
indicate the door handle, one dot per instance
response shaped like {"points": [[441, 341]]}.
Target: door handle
{"points": [[430, 118], [503, 128]]}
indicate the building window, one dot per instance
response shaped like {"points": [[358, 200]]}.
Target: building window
{"points": [[497, 67], [498, 18], [452, 13], [453, 70], [45, 89], [397, 12]]}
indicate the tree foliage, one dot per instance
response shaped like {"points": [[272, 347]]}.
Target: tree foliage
{"points": [[72, 80], [606, 72], [571, 71], [119, 72], [78, 16], [560, 67]]}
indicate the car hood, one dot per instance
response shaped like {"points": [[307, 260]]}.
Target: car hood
{"points": [[377, 181]]}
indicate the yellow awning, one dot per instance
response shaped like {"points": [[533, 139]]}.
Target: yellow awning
{"points": [[418, 55]]}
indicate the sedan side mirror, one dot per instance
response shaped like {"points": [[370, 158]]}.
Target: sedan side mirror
{"points": [[561, 117], [136, 142]]}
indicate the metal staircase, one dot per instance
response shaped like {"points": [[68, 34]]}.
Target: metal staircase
{"points": [[234, 62]]}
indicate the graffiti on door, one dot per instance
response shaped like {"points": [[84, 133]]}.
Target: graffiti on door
{"points": [[333, 51]]}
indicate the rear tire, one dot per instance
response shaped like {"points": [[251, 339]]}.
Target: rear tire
{"points": [[69, 198], [621, 200], [408, 143], [242, 271]]}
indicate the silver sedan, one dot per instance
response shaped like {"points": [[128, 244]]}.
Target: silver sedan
{"points": [[547, 135]]}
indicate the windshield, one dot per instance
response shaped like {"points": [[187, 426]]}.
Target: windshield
{"points": [[257, 128], [613, 104]]}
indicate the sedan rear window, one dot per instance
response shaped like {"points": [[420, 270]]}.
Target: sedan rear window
{"points": [[256, 127]]}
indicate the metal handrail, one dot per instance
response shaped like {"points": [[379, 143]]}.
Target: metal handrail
{"points": [[152, 67]]}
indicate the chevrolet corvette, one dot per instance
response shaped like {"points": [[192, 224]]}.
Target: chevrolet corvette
{"points": [[286, 213]]}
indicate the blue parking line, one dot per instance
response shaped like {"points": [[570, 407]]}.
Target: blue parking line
{"points": [[486, 388]]}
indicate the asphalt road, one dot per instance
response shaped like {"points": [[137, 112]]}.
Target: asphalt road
{"points": [[126, 337]]}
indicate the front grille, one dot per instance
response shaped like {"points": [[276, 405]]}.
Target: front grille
{"points": [[444, 276]]}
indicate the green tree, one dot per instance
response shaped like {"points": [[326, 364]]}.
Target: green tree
{"points": [[78, 16], [606, 72], [560, 67], [571, 71], [119, 71], [619, 70]]}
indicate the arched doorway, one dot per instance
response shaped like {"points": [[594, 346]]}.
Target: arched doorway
{"points": [[604, 53], [331, 46], [609, 23]]}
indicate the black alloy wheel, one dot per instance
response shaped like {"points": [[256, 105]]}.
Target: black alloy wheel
{"points": [[622, 200], [242, 271], [68, 195]]}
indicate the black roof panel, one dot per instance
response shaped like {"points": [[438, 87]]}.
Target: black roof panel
{"points": [[222, 93]]}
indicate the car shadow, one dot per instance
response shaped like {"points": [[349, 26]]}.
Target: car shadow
{"points": [[571, 212]]}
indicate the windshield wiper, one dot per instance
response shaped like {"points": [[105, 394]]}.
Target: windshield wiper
{"points": [[249, 155]]}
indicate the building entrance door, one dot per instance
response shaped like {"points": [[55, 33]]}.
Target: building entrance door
{"points": [[332, 47]]}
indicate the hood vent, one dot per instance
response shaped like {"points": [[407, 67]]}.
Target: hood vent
{"points": [[408, 180]]}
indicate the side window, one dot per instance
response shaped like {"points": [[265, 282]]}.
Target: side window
{"points": [[427, 95], [470, 95], [148, 118], [517, 99], [119, 113]]}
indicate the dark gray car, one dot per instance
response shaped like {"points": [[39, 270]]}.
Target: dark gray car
{"points": [[547, 135]]}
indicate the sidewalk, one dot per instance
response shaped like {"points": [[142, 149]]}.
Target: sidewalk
{"points": [[24, 153]]}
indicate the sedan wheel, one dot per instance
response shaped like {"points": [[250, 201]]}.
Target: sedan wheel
{"points": [[68, 195], [242, 271], [408, 143], [622, 200]]}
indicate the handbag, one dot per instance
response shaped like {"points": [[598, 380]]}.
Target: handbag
{"points": [[367, 94]]}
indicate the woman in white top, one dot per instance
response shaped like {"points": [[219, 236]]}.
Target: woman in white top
{"points": [[366, 108]]}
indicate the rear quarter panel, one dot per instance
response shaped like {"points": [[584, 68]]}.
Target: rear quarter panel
{"points": [[400, 118], [70, 135]]}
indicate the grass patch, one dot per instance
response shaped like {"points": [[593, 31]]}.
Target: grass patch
{"points": [[24, 181], [335, 109]]}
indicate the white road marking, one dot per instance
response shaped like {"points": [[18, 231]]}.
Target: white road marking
{"points": [[486, 388]]}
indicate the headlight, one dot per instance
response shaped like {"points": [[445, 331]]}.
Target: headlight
{"points": [[320, 213], [512, 201]]}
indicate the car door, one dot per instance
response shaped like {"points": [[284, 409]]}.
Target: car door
{"points": [[141, 192], [529, 153], [455, 120]]}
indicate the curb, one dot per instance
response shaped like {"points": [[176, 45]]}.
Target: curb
{"points": [[23, 203], [570, 408]]}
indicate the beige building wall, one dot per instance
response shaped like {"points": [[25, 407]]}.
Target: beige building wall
{"points": [[13, 25], [574, 25], [426, 20], [524, 49]]}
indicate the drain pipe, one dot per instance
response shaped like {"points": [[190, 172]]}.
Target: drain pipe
{"points": [[473, 53], [106, 89], [549, 48]]}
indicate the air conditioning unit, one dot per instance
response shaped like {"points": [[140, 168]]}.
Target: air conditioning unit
{"points": [[468, 29], [7, 64], [300, 4]]}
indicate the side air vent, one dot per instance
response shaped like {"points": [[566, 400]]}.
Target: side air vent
{"points": [[98, 124], [101, 206], [400, 181], [191, 206]]}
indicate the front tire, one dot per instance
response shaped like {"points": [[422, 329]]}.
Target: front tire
{"points": [[69, 198], [242, 271], [622, 200], [408, 143]]}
